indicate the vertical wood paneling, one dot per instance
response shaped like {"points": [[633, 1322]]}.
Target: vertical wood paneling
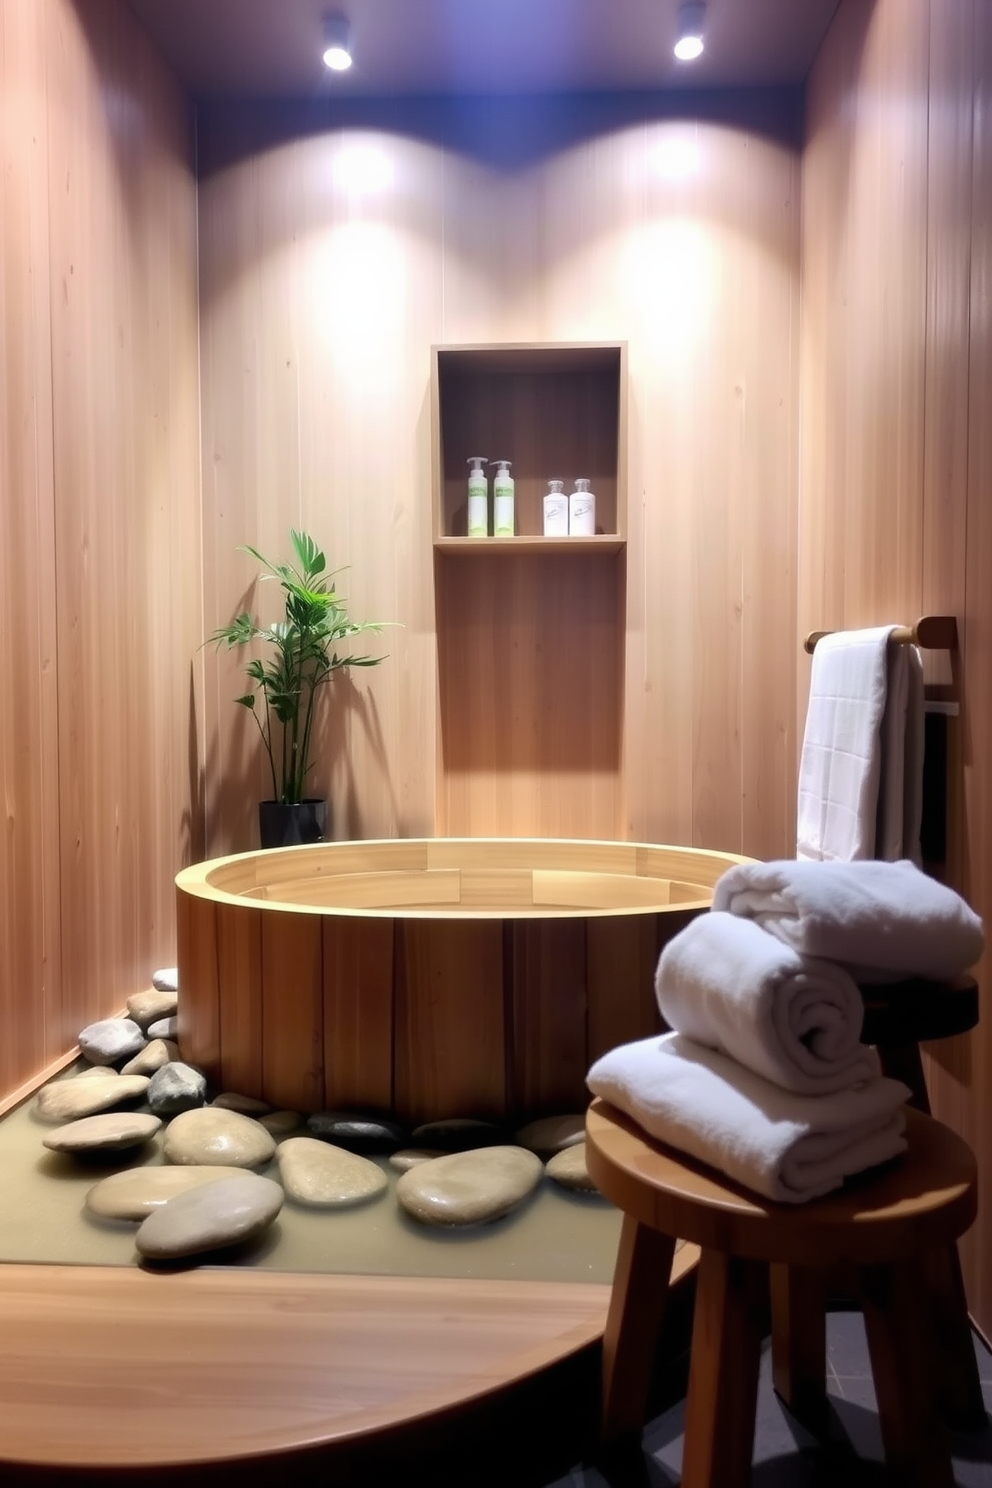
{"points": [[30, 974], [450, 1058], [100, 517], [358, 1013], [198, 962], [896, 383], [239, 932], [549, 1016], [293, 1002]]}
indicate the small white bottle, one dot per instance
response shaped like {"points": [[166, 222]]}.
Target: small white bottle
{"points": [[478, 497], [556, 510], [502, 499], [582, 511]]}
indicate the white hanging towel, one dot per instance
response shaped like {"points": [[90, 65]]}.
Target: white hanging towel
{"points": [[786, 1146], [840, 765], [725, 983], [900, 792]]}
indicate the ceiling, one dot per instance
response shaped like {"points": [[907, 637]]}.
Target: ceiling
{"points": [[271, 48]]}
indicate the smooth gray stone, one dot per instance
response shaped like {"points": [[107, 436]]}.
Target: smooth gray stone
{"points": [[412, 1157], [324, 1176], [568, 1168], [227, 1212], [69, 1100], [465, 1188], [176, 1087], [163, 1028], [166, 979], [357, 1132], [458, 1134], [247, 1105], [111, 1132], [210, 1136], [137, 1192], [148, 1007], [151, 1058], [550, 1134], [111, 1039]]}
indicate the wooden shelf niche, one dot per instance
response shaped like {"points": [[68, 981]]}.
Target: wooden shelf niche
{"points": [[530, 629]]}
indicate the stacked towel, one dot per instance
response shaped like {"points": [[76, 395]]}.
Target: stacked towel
{"points": [[883, 920], [794, 1020], [861, 767], [788, 1147]]}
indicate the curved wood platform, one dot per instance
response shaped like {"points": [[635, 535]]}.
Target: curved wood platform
{"points": [[427, 977], [113, 1368]]}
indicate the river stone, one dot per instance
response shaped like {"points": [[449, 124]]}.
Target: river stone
{"points": [[357, 1132], [166, 979], [466, 1188], [324, 1176], [108, 1133], [163, 1028], [96, 1071], [68, 1100], [211, 1136], [138, 1192], [147, 1007], [568, 1168], [111, 1039], [412, 1157], [151, 1058], [458, 1134], [227, 1212], [552, 1134], [247, 1105], [176, 1087], [280, 1123]]}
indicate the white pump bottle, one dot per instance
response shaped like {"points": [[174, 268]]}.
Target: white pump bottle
{"points": [[478, 497], [502, 499]]}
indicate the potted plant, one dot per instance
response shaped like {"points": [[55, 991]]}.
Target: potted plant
{"points": [[286, 685]]}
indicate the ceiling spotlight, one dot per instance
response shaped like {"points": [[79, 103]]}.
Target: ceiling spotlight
{"points": [[337, 43], [690, 39]]}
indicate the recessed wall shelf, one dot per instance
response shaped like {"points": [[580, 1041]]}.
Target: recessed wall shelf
{"points": [[530, 632]]}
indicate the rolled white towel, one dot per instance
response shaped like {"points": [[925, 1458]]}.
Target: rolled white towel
{"points": [[795, 1020], [788, 1147], [881, 920]]}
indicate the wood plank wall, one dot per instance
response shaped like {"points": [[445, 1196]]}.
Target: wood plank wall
{"points": [[337, 245], [896, 387], [99, 518]]}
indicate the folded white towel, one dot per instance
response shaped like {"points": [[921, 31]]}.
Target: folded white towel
{"points": [[881, 920], [841, 755], [787, 1147], [794, 1020]]}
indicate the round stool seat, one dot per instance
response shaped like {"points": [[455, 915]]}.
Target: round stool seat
{"points": [[916, 1203]]}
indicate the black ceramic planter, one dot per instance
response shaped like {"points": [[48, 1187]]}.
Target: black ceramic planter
{"points": [[281, 825]]}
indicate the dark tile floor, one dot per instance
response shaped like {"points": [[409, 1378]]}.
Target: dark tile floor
{"points": [[785, 1455]]}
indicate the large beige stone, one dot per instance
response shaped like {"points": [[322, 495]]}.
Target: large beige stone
{"points": [[318, 1173], [568, 1168], [68, 1100], [216, 1215], [147, 1007], [113, 1131], [138, 1192], [152, 1057], [469, 1187], [211, 1135]]}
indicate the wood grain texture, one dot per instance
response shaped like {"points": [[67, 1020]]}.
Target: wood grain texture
{"points": [[358, 1013], [317, 1360], [895, 384]]}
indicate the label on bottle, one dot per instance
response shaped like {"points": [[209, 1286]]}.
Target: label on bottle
{"points": [[582, 514], [502, 509], [478, 514], [555, 516]]}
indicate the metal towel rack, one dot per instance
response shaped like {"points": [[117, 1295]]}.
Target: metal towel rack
{"points": [[932, 632]]}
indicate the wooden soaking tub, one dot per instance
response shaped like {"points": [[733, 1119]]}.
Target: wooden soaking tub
{"points": [[427, 977]]}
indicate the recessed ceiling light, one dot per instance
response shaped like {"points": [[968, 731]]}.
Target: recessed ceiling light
{"points": [[337, 43], [689, 45]]}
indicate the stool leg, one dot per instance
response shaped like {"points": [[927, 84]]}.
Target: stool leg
{"points": [[896, 1320], [723, 1372], [959, 1385], [799, 1343], [637, 1306]]}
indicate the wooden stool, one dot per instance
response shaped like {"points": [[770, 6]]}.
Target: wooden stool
{"points": [[883, 1226]]}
